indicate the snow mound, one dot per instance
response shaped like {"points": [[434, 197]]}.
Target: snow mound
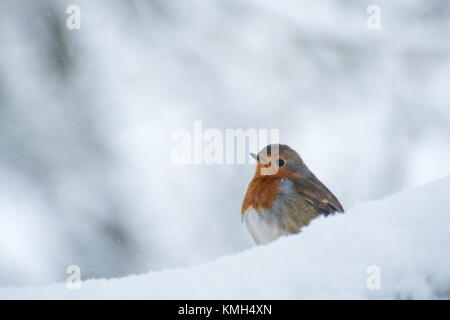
{"points": [[405, 236]]}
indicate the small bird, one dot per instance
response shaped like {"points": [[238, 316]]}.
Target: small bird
{"points": [[284, 195]]}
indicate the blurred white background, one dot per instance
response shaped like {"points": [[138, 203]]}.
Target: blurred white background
{"points": [[86, 118]]}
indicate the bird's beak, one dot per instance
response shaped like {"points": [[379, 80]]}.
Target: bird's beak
{"points": [[263, 159], [254, 156]]}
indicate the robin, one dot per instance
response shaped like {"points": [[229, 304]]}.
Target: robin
{"points": [[284, 195]]}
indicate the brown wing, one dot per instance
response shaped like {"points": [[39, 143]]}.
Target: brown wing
{"points": [[316, 193]]}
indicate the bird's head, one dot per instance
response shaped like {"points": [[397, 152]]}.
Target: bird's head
{"points": [[279, 160]]}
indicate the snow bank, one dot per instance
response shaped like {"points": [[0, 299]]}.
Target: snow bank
{"points": [[405, 235]]}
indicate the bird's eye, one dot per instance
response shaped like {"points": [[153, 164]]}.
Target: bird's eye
{"points": [[280, 162]]}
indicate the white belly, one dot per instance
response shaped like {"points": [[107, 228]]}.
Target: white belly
{"points": [[263, 225]]}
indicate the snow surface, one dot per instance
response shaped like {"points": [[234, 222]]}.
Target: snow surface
{"points": [[406, 235]]}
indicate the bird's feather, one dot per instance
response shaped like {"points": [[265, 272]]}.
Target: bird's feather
{"points": [[316, 193]]}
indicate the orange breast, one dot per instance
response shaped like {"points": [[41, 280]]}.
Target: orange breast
{"points": [[261, 193], [263, 189]]}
